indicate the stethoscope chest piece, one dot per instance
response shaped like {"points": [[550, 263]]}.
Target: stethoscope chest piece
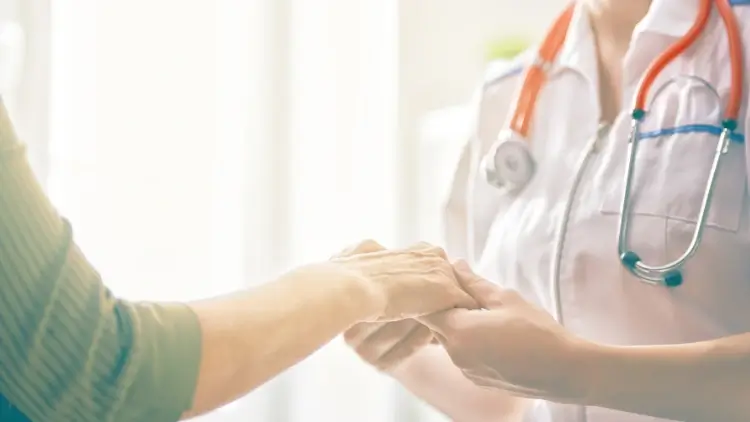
{"points": [[509, 163]]}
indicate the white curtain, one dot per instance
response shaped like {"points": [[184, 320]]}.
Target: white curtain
{"points": [[204, 146]]}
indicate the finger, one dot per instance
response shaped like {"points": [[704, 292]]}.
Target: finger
{"points": [[511, 297], [461, 299], [444, 323], [418, 338], [465, 300], [365, 246], [360, 332], [379, 343], [487, 294]]}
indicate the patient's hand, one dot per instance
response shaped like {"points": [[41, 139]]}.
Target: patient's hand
{"points": [[387, 344], [405, 283]]}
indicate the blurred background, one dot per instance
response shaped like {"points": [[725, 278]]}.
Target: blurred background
{"points": [[203, 146]]}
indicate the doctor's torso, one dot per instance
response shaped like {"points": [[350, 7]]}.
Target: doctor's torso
{"points": [[510, 237]]}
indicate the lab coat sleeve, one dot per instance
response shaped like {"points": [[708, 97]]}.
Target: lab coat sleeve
{"points": [[70, 350]]}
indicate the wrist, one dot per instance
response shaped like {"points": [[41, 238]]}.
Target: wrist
{"points": [[609, 373], [589, 369]]}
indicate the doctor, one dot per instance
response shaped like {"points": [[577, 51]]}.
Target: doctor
{"points": [[586, 326]]}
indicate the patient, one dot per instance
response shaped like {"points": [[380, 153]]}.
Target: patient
{"points": [[70, 351]]}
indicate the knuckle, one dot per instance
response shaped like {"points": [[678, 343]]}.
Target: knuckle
{"points": [[437, 250], [438, 266], [420, 246], [364, 246], [369, 245], [429, 249]]}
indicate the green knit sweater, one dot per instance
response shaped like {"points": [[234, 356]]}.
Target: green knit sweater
{"points": [[69, 350]]}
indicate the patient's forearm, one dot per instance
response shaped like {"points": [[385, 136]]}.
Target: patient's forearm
{"points": [[249, 338], [707, 381], [72, 351], [431, 375]]}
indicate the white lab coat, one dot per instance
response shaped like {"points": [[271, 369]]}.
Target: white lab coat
{"points": [[509, 238]]}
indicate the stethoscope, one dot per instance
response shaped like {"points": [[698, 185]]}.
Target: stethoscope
{"points": [[509, 164]]}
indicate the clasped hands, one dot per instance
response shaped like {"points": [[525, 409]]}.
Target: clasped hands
{"points": [[497, 339]]}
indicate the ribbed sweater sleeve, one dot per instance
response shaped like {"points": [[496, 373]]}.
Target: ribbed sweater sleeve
{"points": [[69, 350]]}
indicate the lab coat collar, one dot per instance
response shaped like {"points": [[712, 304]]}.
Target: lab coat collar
{"points": [[579, 50], [672, 18], [668, 20]]}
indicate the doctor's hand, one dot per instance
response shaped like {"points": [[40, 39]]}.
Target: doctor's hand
{"points": [[405, 283], [510, 344], [385, 345]]}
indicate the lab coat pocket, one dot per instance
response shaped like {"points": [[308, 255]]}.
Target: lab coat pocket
{"points": [[671, 176], [677, 143]]}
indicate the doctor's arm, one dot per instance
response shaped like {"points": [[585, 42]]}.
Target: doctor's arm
{"points": [[431, 375], [708, 380], [700, 381], [514, 346]]}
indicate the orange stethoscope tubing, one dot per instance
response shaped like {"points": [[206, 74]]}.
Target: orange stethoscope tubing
{"points": [[735, 57], [536, 75]]}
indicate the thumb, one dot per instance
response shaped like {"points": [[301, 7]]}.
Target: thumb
{"points": [[483, 291]]}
